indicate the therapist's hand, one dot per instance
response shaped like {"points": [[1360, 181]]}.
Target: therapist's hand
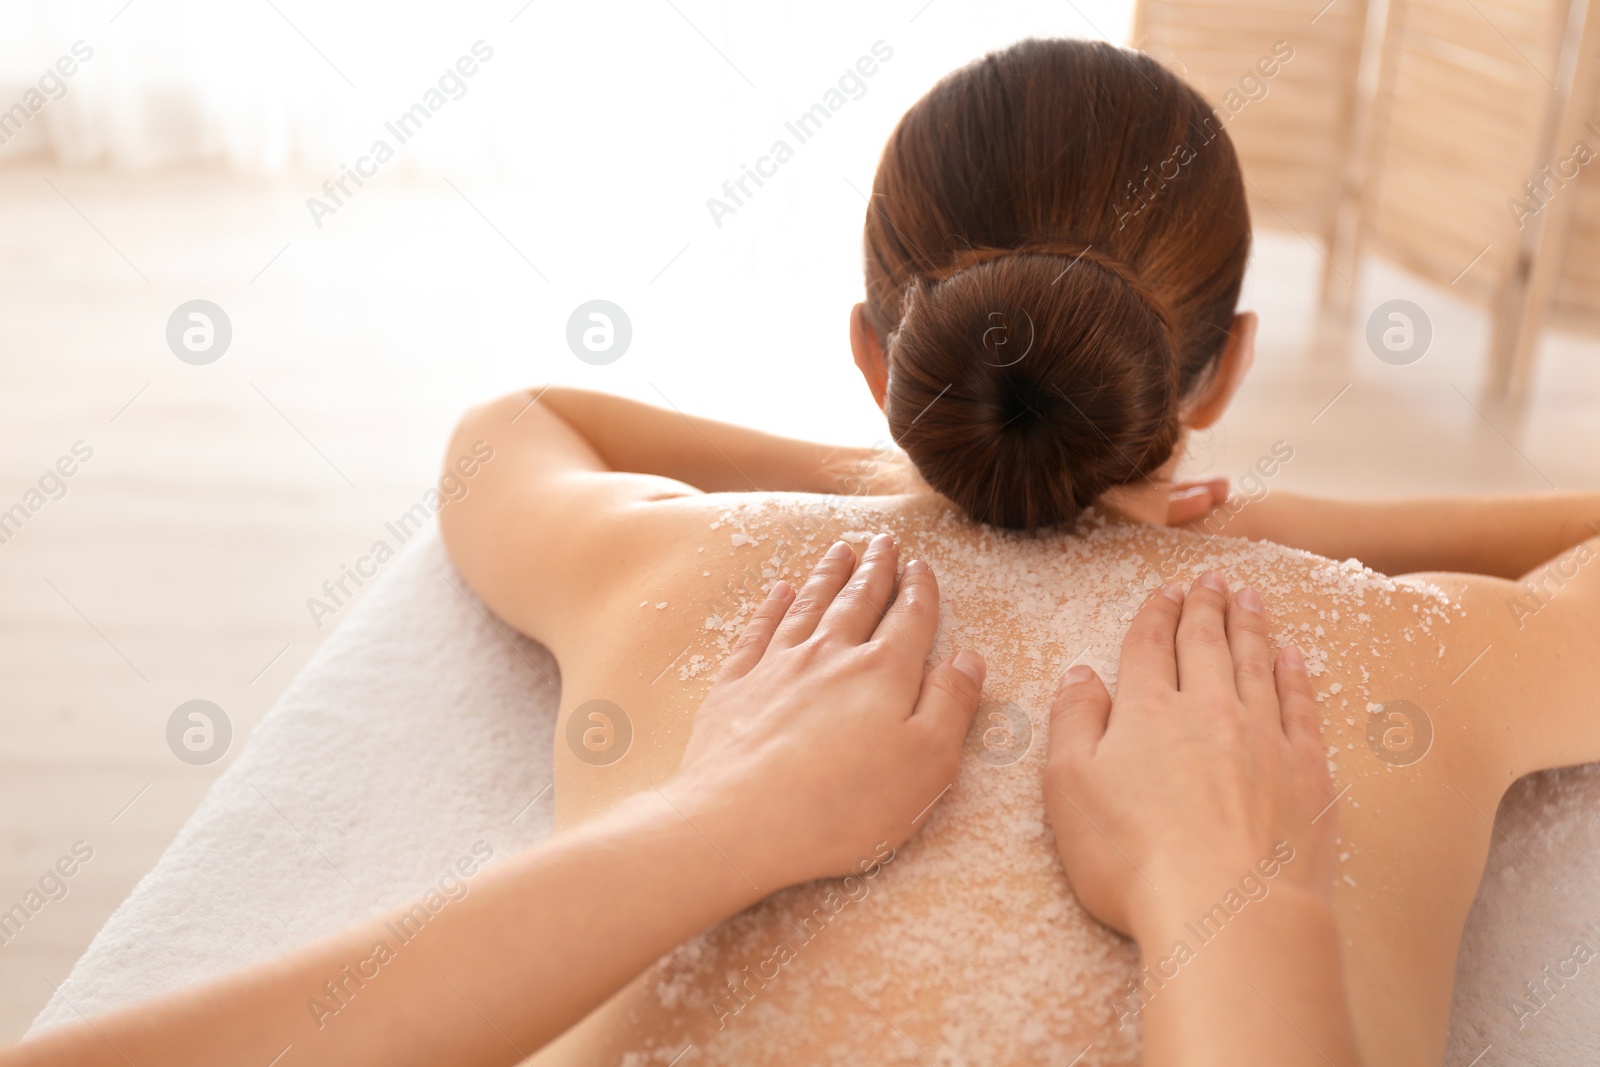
{"points": [[826, 735], [1207, 763]]}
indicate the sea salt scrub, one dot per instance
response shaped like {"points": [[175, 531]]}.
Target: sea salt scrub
{"points": [[966, 946]]}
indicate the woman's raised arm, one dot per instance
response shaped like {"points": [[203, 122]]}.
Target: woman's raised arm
{"points": [[1502, 536], [712, 456]]}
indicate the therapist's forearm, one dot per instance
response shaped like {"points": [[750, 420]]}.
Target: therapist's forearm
{"points": [[1503, 536], [1268, 987], [539, 940], [709, 455]]}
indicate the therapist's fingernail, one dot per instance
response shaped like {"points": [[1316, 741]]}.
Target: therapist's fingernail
{"points": [[970, 664], [781, 590], [881, 543], [1173, 592], [840, 550], [1076, 675], [1249, 600], [916, 567], [1293, 658], [1191, 492], [1214, 581]]}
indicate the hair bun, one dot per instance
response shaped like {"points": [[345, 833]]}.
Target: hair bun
{"points": [[1025, 383]]}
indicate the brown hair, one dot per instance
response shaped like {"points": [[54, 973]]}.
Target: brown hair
{"points": [[1054, 247]]}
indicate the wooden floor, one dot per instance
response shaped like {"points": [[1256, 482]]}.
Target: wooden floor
{"points": [[218, 498]]}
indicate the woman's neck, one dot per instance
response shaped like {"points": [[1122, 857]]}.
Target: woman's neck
{"points": [[1145, 501]]}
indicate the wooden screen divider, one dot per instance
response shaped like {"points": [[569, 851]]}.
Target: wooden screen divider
{"points": [[1457, 138]]}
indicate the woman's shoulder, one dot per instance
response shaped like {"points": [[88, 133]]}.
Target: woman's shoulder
{"points": [[1347, 617], [1501, 673]]}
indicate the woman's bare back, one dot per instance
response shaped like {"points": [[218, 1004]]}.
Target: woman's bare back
{"points": [[967, 946]]}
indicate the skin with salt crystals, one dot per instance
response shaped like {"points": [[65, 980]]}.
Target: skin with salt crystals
{"points": [[968, 947]]}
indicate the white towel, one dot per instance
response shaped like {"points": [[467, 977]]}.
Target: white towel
{"points": [[417, 729], [421, 727], [1539, 898]]}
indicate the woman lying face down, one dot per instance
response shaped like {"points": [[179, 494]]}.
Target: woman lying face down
{"points": [[1054, 248]]}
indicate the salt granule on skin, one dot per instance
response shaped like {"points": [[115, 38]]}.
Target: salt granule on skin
{"points": [[969, 938]]}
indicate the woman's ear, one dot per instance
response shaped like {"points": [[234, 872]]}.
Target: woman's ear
{"points": [[868, 350], [1238, 355]]}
